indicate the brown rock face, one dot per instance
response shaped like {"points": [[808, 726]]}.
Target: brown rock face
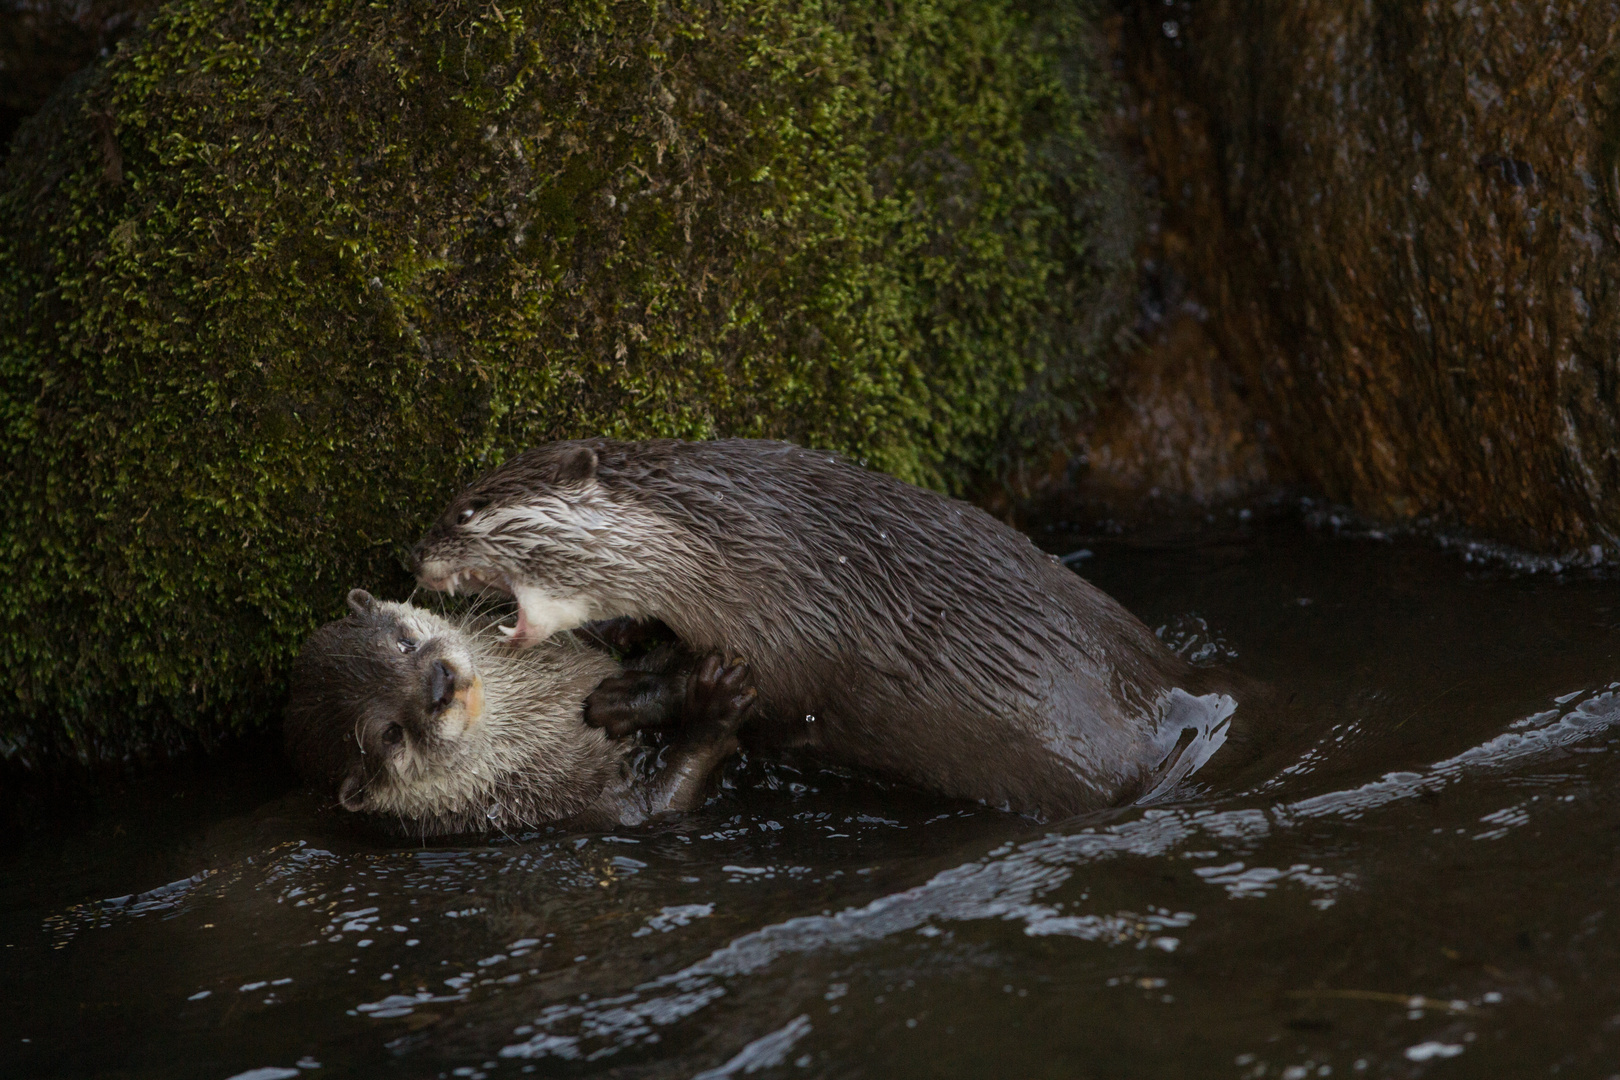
{"points": [[1403, 218], [1173, 431]]}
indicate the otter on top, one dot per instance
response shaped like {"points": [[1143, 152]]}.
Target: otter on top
{"points": [[886, 626]]}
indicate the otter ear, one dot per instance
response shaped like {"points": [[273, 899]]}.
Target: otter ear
{"points": [[360, 602], [576, 465]]}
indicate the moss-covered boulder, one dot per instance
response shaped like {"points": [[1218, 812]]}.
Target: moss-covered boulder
{"points": [[279, 276], [1405, 219]]}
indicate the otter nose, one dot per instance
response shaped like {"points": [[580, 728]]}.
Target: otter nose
{"points": [[352, 795], [441, 686]]}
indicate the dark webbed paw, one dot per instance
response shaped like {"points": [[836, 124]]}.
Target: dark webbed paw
{"points": [[708, 698], [719, 697], [637, 700]]}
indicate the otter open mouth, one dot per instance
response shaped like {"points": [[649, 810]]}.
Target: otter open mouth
{"points": [[468, 579], [539, 613], [520, 632], [480, 580]]}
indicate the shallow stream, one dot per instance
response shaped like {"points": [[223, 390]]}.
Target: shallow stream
{"points": [[1415, 870]]}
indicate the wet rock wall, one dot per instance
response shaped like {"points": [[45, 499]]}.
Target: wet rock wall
{"points": [[1402, 222]]}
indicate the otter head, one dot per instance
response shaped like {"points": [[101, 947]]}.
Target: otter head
{"points": [[384, 701], [543, 529]]}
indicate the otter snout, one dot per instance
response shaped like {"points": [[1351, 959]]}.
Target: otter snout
{"points": [[352, 795], [432, 570], [454, 699], [443, 560], [441, 686], [440, 573]]}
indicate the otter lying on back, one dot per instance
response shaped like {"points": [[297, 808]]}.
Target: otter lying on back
{"points": [[886, 625], [434, 727]]}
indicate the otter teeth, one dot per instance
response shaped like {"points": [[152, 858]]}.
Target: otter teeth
{"points": [[519, 631], [473, 580]]}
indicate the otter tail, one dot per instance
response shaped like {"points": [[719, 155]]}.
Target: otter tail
{"points": [[1190, 730]]}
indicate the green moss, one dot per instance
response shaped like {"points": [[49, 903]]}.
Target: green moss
{"points": [[279, 277]]}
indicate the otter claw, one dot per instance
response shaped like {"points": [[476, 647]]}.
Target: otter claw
{"points": [[720, 695]]}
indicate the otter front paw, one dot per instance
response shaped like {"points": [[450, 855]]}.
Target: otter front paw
{"points": [[635, 701], [719, 697]]}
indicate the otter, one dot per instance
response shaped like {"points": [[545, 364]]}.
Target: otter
{"points": [[886, 626], [435, 727]]}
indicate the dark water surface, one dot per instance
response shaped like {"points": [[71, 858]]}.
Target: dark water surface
{"points": [[1414, 871]]}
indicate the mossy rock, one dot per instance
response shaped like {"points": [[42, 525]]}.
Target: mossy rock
{"points": [[277, 278]]}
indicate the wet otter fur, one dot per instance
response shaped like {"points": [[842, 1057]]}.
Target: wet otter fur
{"points": [[430, 726], [886, 626]]}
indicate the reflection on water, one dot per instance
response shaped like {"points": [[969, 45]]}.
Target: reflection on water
{"points": [[1408, 865]]}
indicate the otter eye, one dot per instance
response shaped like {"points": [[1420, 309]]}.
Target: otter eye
{"points": [[392, 734], [406, 645]]}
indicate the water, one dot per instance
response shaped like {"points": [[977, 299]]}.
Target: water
{"points": [[1411, 869]]}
